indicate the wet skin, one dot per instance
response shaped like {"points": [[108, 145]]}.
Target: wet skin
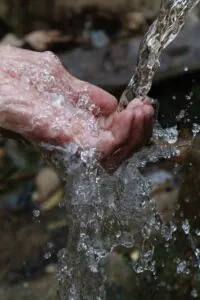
{"points": [[41, 101]]}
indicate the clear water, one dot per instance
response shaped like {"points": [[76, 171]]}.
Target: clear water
{"points": [[172, 16], [105, 211]]}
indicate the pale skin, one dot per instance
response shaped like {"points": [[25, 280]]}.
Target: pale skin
{"points": [[41, 101]]}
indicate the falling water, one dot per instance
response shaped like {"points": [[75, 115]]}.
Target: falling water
{"points": [[105, 211], [171, 18]]}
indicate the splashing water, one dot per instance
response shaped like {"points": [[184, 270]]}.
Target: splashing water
{"points": [[105, 211]]}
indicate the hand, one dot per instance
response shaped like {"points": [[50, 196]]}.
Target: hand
{"points": [[41, 101]]}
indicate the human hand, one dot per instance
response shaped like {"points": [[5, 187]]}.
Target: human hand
{"points": [[41, 101]]}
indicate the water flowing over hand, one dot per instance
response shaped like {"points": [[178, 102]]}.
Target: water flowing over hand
{"points": [[41, 101]]}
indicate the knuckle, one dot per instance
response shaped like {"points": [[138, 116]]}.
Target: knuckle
{"points": [[149, 111], [51, 60]]}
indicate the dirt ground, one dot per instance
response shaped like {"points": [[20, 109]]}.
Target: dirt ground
{"points": [[44, 288]]}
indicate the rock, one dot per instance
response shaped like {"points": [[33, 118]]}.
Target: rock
{"points": [[135, 21], [44, 288], [12, 39], [119, 271], [50, 269], [189, 196], [165, 195], [99, 38], [43, 40], [48, 189], [27, 246], [112, 68], [53, 200]]}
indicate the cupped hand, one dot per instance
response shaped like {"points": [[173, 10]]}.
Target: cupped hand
{"points": [[41, 101]]}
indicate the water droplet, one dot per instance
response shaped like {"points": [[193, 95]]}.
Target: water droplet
{"points": [[171, 135], [36, 213], [181, 115], [182, 267], [47, 255], [138, 269], [195, 129], [50, 245], [194, 293], [197, 253], [189, 96], [118, 234], [186, 226], [167, 232]]}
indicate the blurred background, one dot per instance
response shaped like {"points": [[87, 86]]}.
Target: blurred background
{"points": [[97, 41]]}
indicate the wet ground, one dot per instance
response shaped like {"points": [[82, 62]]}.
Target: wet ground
{"points": [[43, 288]]}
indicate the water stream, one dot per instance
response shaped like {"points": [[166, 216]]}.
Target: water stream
{"points": [[172, 16], [106, 211]]}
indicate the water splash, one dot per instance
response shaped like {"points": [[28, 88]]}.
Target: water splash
{"points": [[194, 293], [106, 211]]}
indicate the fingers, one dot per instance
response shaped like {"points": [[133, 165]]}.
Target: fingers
{"points": [[115, 131], [133, 140], [106, 102], [148, 123], [96, 100], [141, 130], [139, 102], [141, 115], [132, 136]]}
